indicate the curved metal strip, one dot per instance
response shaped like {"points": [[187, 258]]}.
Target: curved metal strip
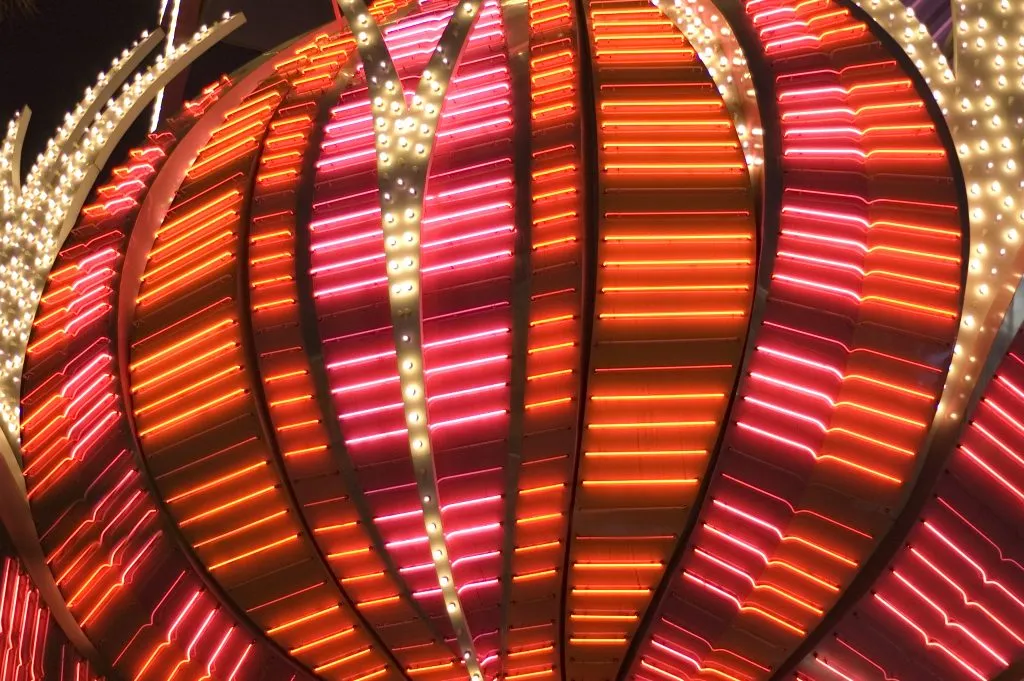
{"points": [[289, 344], [944, 430], [675, 281], [920, 603], [756, 502], [402, 175], [67, 140], [266, 426], [715, 42], [590, 210], [769, 208], [548, 113], [10, 159], [972, 91], [515, 16]]}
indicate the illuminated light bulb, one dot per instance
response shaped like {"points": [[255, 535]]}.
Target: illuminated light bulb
{"points": [[438, 554], [452, 607]]}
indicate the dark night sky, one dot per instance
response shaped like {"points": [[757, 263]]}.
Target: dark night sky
{"points": [[49, 56]]}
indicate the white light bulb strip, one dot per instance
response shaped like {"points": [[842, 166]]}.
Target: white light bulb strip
{"points": [[711, 37], [69, 134], [404, 137], [38, 215], [168, 47], [983, 102], [10, 161]]}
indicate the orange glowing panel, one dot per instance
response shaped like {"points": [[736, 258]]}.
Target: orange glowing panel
{"points": [[551, 398], [123, 578], [193, 397], [675, 269]]}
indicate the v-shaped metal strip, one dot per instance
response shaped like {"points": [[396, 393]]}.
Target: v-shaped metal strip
{"points": [[405, 134]]}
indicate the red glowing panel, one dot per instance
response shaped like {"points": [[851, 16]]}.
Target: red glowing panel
{"points": [[551, 400], [468, 230], [192, 392], [347, 257], [31, 645], [847, 365], [290, 389]]}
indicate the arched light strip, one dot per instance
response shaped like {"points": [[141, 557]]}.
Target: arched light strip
{"points": [[38, 216], [69, 134], [716, 46], [404, 141], [984, 110]]}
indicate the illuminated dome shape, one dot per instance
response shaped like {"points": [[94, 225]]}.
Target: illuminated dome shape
{"points": [[527, 340]]}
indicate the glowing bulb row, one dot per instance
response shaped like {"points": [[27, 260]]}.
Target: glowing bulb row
{"points": [[404, 139]]}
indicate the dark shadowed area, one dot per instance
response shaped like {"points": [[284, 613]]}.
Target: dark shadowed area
{"points": [[51, 50]]}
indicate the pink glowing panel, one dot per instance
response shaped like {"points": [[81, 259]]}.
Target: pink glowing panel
{"points": [[951, 604], [468, 229]]}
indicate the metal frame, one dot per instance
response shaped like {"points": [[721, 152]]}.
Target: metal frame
{"points": [[402, 199], [590, 209], [266, 426], [515, 16]]}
